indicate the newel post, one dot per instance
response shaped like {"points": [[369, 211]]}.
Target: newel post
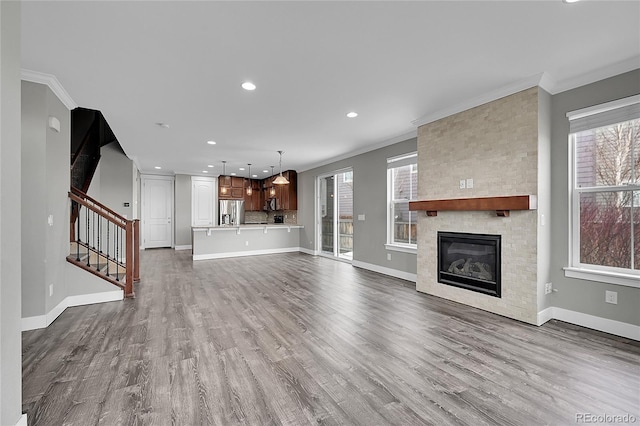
{"points": [[136, 250], [128, 288]]}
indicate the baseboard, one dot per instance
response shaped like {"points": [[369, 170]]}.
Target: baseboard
{"points": [[308, 251], [386, 271], [245, 253], [34, 323], [90, 299], [184, 247], [43, 321], [57, 311], [545, 315], [23, 420], [606, 325]]}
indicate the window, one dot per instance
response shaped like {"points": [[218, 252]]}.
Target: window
{"points": [[605, 191], [402, 187]]}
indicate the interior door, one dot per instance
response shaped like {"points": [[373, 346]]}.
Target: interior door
{"points": [[157, 211]]}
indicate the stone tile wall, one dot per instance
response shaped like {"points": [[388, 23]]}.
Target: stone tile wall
{"points": [[496, 144]]}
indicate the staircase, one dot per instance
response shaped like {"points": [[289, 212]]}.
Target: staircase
{"points": [[101, 241], [104, 242]]}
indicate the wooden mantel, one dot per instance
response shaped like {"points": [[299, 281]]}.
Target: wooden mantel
{"points": [[502, 205]]}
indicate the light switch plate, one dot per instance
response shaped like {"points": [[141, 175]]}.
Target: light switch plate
{"points": [[470, 183], [360, 217], [463, 184]]}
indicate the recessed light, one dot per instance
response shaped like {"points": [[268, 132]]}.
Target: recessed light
{"points": [[254, 175], [352, 114], [241, 169], [157, 167], [205, 171], [570, 1], [233, 174], [265, 171], [210, 165], [247, 85], [211, 142]]}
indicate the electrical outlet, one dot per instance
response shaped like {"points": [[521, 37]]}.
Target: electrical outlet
{"points": [[611, 297], [548, 288], [388, 256], [463, 184], [50, 290]]}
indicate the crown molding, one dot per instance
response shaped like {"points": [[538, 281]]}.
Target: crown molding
{"points": [[612, 70], [401, 138], [52, 82], [542, 80]]}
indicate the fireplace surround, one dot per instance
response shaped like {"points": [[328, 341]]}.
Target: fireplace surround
{"points": [[470, 261]]}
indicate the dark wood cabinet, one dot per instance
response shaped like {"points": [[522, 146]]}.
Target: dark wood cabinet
{"points": [[286, 195], [235, 188], [253, 202]]}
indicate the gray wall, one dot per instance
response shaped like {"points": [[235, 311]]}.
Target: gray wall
{"points": [[58, 176], [182, 220], [116, 180], [222, 242], [45, 183], [34, 223], [574, 294], [544, 197], [369, 198], [10, 215]]}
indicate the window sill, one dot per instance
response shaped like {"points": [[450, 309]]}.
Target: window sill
{"points": [[404, 249], [618, 278]]}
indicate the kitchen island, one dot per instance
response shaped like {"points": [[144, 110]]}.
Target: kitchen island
{"points": [[217, 242]]}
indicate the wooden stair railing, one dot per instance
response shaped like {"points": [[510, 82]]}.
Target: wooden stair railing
{"points": [[103, 242]]}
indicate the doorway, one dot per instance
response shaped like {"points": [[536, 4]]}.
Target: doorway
{"points": [[157, 211], [335, 214]]}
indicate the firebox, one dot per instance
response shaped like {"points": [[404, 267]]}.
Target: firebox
{"points": [[470, 261]]}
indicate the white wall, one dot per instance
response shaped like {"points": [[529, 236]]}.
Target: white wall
{"points": [[10, 215]]}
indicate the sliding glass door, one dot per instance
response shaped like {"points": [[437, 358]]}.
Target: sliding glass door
{"points": [[335, 214]]}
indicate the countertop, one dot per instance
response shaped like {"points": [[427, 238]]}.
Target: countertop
{"points": [[262, 226]]}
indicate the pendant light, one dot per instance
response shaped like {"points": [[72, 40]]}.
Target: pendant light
{"points": [[249, 188], [272, 191], [223, 190], [280, 180]]}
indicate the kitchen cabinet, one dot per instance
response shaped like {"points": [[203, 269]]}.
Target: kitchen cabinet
{"points": [[235, 188], [254, 201], [202, 201], [286, 195], [230, 188]]}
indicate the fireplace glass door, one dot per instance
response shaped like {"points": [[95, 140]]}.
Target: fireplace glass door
{"points": [[470, 261]]}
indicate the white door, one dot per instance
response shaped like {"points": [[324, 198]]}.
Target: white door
{"points": [[157, 211], [202, 201]]}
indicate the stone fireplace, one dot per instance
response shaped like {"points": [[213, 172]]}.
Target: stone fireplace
{"points": [[503, 146]]}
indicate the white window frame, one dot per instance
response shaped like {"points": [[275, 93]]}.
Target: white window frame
{"points": [[394, 162], [576, 269]]}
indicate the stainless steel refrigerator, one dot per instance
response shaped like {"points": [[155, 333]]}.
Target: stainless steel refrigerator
{"points": [[231, 212]]}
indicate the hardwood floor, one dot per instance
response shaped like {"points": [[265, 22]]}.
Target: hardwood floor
{"points": [[295, 339]]}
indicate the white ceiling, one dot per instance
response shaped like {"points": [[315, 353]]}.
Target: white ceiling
{"points": [[182, 63]]}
